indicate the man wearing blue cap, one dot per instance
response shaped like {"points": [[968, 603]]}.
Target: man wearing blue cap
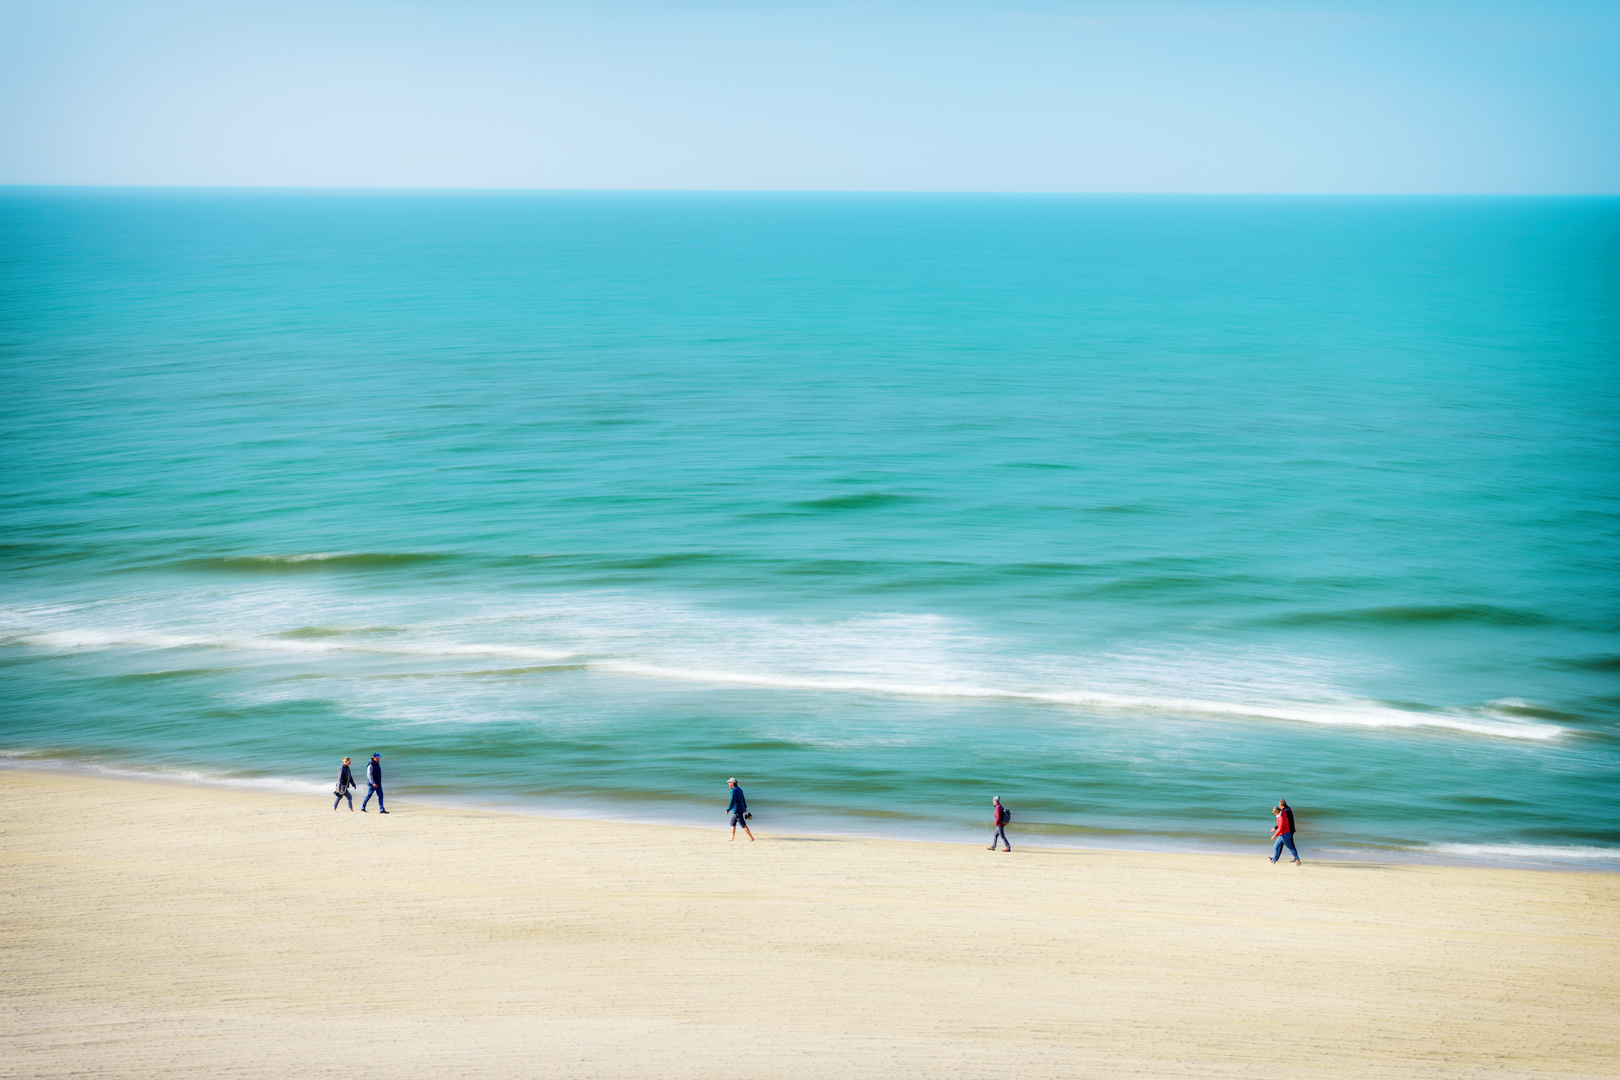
{"points": [[374, 784]]}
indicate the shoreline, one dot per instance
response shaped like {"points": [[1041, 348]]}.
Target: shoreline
{"points": [[1591, 860], [157, 930]]}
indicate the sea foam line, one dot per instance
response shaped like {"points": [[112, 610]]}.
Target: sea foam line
{"points": [[95, 639], [279, 784], [1542, 853], [1356, 714]]}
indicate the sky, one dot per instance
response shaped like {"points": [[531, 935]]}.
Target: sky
{"points": [[1494, 96]]}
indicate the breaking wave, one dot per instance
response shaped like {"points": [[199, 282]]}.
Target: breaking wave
{"points": [[1544, 854], [1510, 719], [314, 562]]}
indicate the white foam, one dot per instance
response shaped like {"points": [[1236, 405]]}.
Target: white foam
{"points": [[314, 556], [1357, 714], [1536, 853], [95, 639], [280, 784], [889, 654]]}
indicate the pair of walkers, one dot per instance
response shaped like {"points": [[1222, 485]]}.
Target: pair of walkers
{"points": [[374, 785], [1283, 832]]}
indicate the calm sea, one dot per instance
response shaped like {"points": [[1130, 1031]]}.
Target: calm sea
{"points": [[1139, 513]]}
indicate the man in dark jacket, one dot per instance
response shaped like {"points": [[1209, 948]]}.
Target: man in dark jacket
{"points": [[738, 810], [374, 785]]}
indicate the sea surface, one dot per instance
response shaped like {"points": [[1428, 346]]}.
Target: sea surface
{"points": [[1137, 512]]}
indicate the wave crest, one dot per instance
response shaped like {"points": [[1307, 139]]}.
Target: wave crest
{"points": [[1483, 614], [314, 561], [1354, 714], [1530, 853]]}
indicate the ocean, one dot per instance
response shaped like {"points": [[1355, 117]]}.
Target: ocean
{"points": [[1139, 513]]}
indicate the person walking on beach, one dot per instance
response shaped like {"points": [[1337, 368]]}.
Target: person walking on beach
{"points": [[738, 810], [1001, 817], [345, 783], [374, 785], [1283, 831]]}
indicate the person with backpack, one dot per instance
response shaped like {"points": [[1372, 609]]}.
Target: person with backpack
{"points": [[1283, 831], [1002, 816]]}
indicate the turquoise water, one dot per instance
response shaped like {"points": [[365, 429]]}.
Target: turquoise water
{"points": [[1139, 513]]}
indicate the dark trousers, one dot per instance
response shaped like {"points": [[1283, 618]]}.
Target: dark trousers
{"points": [[1001, 835], [346, 793], [373, 789]]}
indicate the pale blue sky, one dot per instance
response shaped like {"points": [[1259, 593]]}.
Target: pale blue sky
{"points": [[1022, 95]]}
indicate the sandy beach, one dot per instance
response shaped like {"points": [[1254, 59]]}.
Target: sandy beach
{"points": [[153, 930]]}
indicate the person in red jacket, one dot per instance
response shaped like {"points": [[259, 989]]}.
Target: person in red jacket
{"points": [[1283, 831], [1001, 819]]}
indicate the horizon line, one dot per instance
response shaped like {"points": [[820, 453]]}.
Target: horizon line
{"points": [[942, 192]]}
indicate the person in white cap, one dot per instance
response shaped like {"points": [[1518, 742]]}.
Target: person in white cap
{"points": [[738, 810]]}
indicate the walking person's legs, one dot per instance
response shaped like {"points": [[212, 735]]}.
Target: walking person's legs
{"points": [[1000, 835], [1288, 838], [371, 789]]}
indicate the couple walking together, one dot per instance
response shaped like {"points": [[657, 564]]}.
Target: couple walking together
{"points": [[374, 785], [1283, 832]]}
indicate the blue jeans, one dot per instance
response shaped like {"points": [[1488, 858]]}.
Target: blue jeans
{"points": [[373, 789], [1276, 849], [1001, 835], [344, 794]]}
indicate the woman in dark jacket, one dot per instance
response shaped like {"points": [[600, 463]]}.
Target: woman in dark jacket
{"points": [[345, 782]]}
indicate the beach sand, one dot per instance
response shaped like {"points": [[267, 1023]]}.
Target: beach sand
{"points": [[155, 930]]}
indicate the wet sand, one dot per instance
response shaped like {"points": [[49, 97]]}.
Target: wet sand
{"points": [[152, 930]]}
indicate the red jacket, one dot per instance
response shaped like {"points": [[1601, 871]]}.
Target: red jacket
{"points": [[1285, 821], [1001, 815]]}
